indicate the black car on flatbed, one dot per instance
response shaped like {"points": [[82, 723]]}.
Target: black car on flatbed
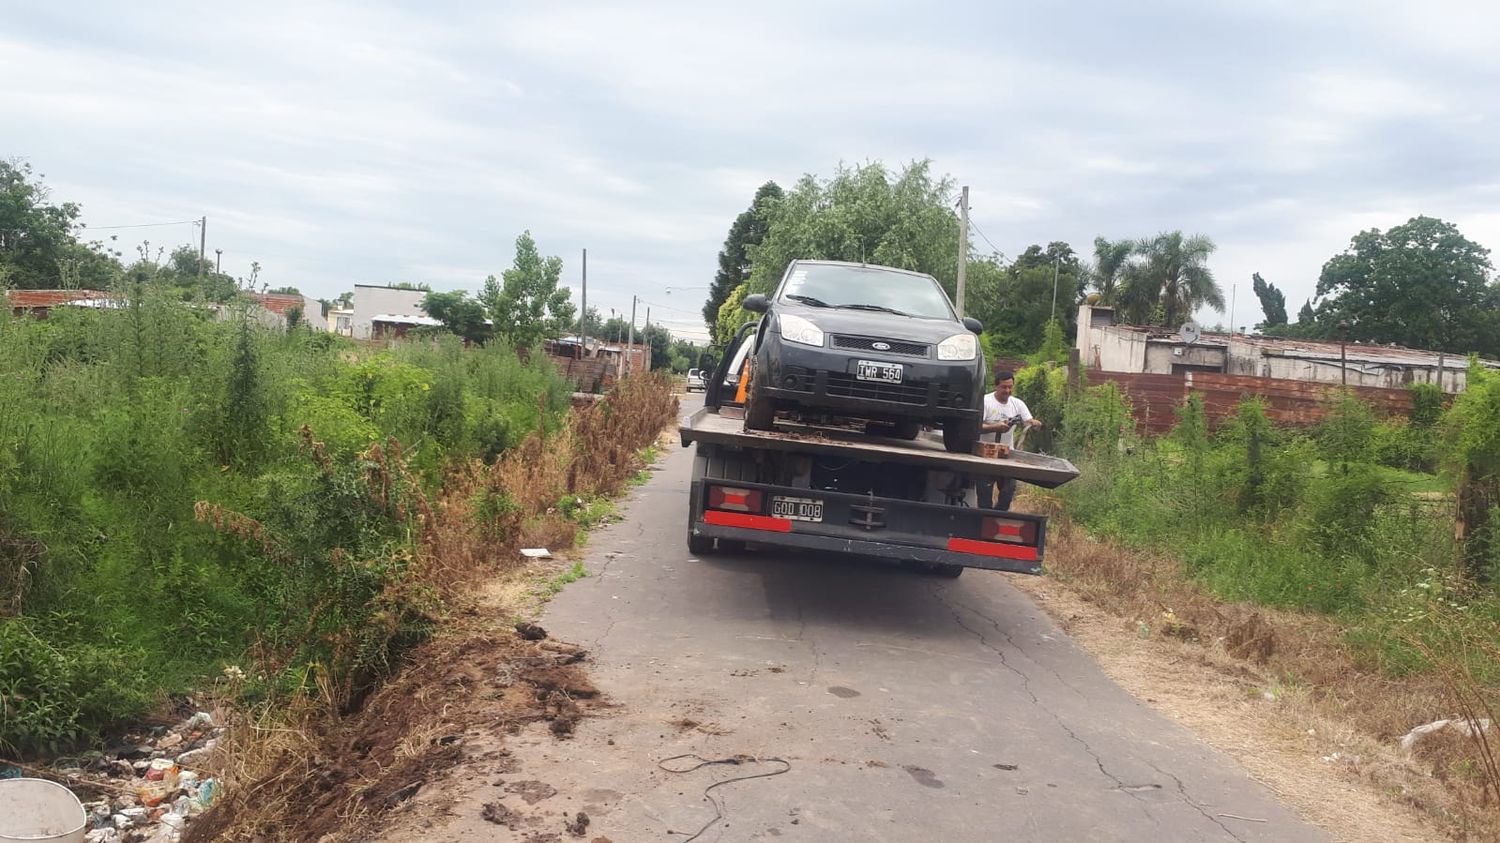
{"points": [[814, 487], [874, 343]]}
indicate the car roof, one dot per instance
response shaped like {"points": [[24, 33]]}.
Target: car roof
{"points": [[881, 267]]}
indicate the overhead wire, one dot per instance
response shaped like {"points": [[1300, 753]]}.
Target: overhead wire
{"points": [[139, 225], [985, 236]]}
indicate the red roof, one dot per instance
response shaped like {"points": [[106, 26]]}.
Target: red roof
{"points": [[278, 303], [37, 299]]}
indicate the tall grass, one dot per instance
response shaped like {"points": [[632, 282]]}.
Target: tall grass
{"points": [[1318, 521], [178, 495]]}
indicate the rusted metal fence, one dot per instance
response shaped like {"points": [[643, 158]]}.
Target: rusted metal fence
{"points": [[1153, 398]]}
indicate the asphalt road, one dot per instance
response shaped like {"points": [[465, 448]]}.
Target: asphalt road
{"points": [[907, 707]]}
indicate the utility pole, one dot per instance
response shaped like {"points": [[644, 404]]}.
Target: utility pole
{"points": [[218, 261], [1234, 290], [202, 248], [1055, 262], [630, 337], [963, 247], [646, 336], [583, 323]]}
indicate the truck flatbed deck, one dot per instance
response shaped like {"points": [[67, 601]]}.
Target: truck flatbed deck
{"points": [[1038, 469]]}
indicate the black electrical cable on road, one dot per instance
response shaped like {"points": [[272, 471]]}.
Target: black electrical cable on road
{"points": [[707, 762]]}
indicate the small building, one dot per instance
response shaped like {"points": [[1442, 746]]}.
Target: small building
{"points": [[618, 355], [385, 326], [37, 303], [372, 300], [341, 321], [1108, 347]]}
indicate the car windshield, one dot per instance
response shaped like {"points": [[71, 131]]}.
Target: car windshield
{"points": [[866, 288]]}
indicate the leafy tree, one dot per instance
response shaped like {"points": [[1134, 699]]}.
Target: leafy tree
{"points": [[460, 314], [660, 341], [1015, 302], [285, 291], [1305, 316], [615, 329], [1421, 284], [1168, 278], [589, 321], [38, 249], [749, 229], [411, 285], [1110, 258], [527, 304], [1272, 302], [863, 214]]}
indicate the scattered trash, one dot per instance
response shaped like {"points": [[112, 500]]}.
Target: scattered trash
{"points": [[151, 794], [578, 826], [536, 553], [1461, 726]]}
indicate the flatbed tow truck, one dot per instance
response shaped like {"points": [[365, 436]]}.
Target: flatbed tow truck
{"points": [[832, 487]]}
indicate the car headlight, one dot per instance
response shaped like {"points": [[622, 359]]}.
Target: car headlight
{"points": [[798, 330], [958, 347]]}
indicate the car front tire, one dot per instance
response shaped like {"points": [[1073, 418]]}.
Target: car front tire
{"points": [[760, 410]]}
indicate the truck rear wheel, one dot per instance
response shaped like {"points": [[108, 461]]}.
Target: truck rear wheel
{"points": [[959, 436], [699, 545]]}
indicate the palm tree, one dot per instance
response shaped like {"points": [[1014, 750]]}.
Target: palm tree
{"points": [[1169, 275], [1109, 260]]}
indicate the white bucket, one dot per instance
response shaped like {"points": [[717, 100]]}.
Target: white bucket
{"points": [[36, 809]]}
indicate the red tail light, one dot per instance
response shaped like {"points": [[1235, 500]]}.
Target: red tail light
{"points": [[1011, 530], [734, 500]]}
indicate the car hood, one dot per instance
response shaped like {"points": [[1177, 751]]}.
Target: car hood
{"points": [[873, 323]]}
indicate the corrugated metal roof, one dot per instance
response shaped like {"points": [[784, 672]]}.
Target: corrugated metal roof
{"points": [[1311, 349], [31, 299], [404, 319]]}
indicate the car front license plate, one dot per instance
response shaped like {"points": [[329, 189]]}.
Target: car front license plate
{"points": [[796, 509], [870, 370]]}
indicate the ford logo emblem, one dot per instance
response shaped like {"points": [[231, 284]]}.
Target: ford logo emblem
{"points": [[881, 346]]}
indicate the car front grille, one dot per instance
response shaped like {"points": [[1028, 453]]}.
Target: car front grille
{"points": [[906, 349], [846, 386]]}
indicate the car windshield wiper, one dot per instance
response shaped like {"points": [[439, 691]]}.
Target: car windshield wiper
{"points": [[880, 307], [807, 300]]}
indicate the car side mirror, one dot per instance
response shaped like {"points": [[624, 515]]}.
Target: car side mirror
{"points": [[973, 324], [756, 303]]}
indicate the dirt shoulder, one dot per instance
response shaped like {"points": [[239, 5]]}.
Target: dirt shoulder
{"points": [[1293, 738]]}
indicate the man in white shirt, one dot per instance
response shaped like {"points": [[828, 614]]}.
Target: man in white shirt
{"points": [[1003, 414]]}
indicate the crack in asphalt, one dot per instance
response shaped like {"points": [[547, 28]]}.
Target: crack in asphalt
{"points": [[984, 641], [811, 646], [1182, 791]]}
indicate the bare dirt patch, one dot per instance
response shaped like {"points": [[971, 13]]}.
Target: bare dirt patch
{"points": [[1278, 691], [444, 711]]}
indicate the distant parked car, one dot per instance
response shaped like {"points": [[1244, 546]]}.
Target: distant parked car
{"points": [[866, 342], [696, 380]]}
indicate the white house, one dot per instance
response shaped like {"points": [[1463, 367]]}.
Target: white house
{"points": [[371, 301], [1105, 346]]}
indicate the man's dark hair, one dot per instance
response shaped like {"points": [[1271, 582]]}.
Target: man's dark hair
{"points": [[1004, 375]]}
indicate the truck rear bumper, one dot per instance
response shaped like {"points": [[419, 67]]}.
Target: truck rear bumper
{"points": [[878, 549]]}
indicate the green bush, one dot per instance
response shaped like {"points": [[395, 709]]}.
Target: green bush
{"points": [[163, 513]]}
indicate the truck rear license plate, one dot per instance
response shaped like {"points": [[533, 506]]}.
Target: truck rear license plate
{"points": [[796, 509], [870, 370]]}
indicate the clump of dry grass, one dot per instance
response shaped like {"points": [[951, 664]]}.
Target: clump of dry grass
{"points": [[1452, 777], [486, 512], [312, 765]]}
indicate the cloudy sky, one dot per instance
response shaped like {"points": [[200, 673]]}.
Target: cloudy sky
{"points": [[342, 143]]}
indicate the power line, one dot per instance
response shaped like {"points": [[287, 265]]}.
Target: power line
{"points": [[985, 237], [139, 225]]}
